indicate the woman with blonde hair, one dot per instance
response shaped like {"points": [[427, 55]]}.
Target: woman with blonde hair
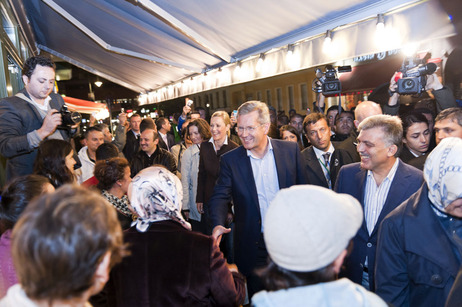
{"points": [[209, 162]]}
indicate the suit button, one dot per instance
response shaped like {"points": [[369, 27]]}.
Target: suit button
{"points": [[369, 244], [436, 279]]}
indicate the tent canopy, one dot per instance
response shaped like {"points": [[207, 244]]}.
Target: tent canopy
{"points": [[145, 44]]}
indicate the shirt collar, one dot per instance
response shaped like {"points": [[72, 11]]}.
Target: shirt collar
{"points": [[319, 152], [269, 146], [391, 173]]}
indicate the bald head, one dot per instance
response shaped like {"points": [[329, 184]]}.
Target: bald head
{"points": [[366, 109]]}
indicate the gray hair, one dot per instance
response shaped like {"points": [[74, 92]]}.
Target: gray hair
{"points": [[254, 105], [391, 126]]}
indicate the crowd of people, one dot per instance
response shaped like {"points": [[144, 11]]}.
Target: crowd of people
{"points": [[336, 207]]}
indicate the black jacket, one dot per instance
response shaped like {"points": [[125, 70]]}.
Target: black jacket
{"points": [[141, 160]]}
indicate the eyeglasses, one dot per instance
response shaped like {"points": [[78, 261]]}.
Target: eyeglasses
{"points": [[250, 129]]}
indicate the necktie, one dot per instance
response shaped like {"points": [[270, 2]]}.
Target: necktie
{"points": [[327, 166]]}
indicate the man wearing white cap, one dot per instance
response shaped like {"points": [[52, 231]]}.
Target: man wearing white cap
{"points": [[419, 249], [308, 230]]}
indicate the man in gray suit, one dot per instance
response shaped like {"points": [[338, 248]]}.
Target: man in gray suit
{"points": [[30, 116]]}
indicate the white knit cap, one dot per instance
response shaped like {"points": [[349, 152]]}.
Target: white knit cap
{"points": [[307, 226]]}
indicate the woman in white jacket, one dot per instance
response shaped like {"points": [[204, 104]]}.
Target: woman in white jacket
{"points": [[198, 131]]}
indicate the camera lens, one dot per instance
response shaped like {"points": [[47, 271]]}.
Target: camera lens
{"points": [[408, 84]]}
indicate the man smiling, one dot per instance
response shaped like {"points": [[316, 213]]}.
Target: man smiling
{"points": [[251, 175], [381, 181]]}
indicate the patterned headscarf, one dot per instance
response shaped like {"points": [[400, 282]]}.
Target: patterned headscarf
{"points": [[155, 195], [443, 173]]}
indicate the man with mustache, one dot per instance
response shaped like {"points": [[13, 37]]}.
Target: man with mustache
{"points": [[380, 182]]}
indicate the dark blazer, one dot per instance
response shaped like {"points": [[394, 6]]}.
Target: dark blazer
{"points": [[416, 264], [132, 146], [352, 180], [235, 182], [141, 161], [18, 117], [349, 146], [171, 266], [170, 140], [405, 155], [314, 172], [209, 167]]}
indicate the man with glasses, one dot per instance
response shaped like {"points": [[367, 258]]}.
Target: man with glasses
{"points": [[251, 175]]}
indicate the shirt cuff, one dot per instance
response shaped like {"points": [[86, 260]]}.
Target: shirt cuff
{"points": [[34, 139]]}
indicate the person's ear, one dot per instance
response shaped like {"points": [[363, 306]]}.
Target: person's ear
{"points": [[25, 79], [156, 141], [392, 150], [337, 264], [356, 123], [102, 273]]}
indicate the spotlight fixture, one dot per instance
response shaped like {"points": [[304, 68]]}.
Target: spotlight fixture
{"points": [[98, 83], [380, 22], [260, 62], [328, 37]]}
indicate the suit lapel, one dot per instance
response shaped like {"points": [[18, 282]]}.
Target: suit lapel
{"points": [[315, 166], [245, 168], [360, 177], [395, 195], [280, 161]]}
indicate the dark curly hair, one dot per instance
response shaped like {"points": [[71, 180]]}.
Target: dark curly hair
{"points": [[109, 171], [51, 162], [32, 62]]}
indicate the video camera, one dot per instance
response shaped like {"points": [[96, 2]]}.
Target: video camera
{"points": [[327, 82], [68, 118], [414, 76]]}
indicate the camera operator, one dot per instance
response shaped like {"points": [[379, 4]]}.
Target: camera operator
{"points": [[443, 95], [31, 116]]}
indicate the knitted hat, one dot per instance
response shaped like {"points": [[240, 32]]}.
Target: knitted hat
{"points": [[307, 227]]}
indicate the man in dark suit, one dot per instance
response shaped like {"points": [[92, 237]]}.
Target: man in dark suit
{"points": [[166, 139], [322, 160], [132, 143], [380, 182], [30, 116], [251, 175]]}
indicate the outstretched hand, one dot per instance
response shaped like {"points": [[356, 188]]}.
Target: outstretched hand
{"points": [[217, 233]]}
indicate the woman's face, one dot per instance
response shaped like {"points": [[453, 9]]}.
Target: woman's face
{"points": [[289, 136], [125, 181], [218, 128], [194, 135], [70, 162], [417, 138]]}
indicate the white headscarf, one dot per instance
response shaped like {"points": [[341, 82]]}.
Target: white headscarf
{"points": [[443, 173], [155, 195]]}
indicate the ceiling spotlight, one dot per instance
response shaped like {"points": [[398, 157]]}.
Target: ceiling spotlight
{"points": [[380, 22], [98, 83], [260, 62]]}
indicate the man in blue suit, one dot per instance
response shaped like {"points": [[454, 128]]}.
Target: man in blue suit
{"points": [[251, 175], [380, 182]]}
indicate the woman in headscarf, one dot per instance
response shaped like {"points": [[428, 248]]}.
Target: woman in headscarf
{"points": [[169, 264]]}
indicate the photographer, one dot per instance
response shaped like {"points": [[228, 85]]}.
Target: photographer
{"points": [[443, 95], [30, 116]]}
